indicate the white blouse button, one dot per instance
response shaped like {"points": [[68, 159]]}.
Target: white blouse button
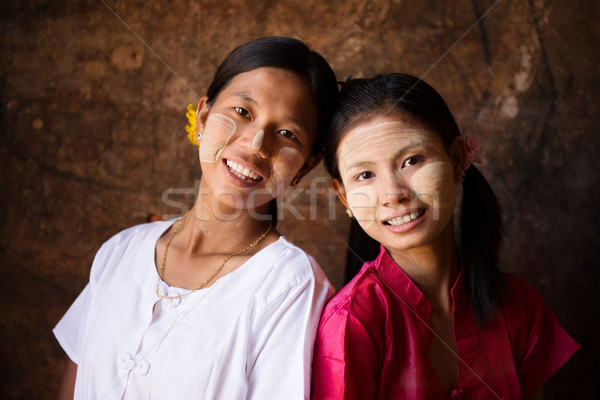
{"points": [[126, 361], [172, 300], [142, 367]]}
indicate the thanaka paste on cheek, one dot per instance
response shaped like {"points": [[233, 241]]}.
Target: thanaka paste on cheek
{"points": [[362, 201], [287, 165], [218, 131], [434, 185], [258, 140]]}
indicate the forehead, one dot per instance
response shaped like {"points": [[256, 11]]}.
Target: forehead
{"points": [[384, 135], [271, 81]]}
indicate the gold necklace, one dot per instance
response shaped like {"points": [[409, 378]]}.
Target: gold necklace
{"points": [[215, 273]]}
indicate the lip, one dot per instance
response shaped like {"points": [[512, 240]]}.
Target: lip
{"points": [[408, 225], [235, 178]]}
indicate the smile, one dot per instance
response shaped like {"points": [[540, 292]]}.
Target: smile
{"points": [[405, 218], [242, 172]]}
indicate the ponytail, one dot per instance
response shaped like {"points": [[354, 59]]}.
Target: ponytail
{"points": [[480, 238]]}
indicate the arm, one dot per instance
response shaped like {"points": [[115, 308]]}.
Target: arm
{"points": [[542, 345], [67, 385], [282, 340], [345, 359]]}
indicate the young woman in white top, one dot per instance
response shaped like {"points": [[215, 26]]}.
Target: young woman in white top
{"points": [[216, 305]]}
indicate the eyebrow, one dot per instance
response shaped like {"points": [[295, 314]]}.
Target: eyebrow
{"points": [[419, 146], [358, 165], [409, 147], [246, 96], [301, 124]]}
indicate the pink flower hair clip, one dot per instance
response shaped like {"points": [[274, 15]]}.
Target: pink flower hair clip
{"points": [[472, 151]]}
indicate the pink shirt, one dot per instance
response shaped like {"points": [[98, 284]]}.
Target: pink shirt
{"points": [[373, 342]]}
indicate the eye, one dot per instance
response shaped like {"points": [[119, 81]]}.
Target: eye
{"points": [[242, 111], [411, 161], [288, 134], [363, 176]]}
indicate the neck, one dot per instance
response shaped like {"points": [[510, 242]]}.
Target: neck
{"points": [[213, 228], [432, 267]]}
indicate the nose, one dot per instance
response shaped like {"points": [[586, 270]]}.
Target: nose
{"points": [[393, 190], [258, 140]]}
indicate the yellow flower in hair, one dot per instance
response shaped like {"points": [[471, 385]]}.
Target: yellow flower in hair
{"points": [[191, 128]]}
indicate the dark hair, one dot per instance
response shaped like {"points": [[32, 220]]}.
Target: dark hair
{"points": [[480, 224], [290, 54]]}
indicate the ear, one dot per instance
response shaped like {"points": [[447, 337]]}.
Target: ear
{"points": [[312, 161], [340, 191], [458, 154], [202, 114]]}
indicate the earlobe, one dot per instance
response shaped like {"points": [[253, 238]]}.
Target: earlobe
{"points": [[340, 191]]}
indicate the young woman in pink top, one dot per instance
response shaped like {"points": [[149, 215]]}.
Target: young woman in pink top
{"points": [[431, 317]]}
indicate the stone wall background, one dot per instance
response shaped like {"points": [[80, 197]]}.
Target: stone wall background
{"points": [[92, 135]]}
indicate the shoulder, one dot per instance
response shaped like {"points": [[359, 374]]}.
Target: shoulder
{"points": [[521, 296], [290, 262], [358, 301], [137, 233], [287, 267], [128, 240], [531, 322]]}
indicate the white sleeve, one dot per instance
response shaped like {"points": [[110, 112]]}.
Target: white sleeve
{"points": [[70, 329], [282, 344]]}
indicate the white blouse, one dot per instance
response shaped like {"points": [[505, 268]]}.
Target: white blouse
{"points": [[248, 336]]}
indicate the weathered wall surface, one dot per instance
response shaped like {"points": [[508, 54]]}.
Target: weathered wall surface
{"points": [[92, 115]]}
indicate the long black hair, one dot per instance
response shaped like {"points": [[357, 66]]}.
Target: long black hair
{"points": [[292, 55], [480, 223]]}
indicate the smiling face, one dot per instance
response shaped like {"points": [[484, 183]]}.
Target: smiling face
{"points": [[256, 136], [398, 179]]}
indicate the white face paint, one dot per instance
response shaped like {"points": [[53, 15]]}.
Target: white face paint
{"points": [[391, 168], [434, 185], [373, 142], [258, 140], [217, 133], [289, 161], [363, 203]]}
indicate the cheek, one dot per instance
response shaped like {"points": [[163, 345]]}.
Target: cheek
{"points": [[217, 133], [289, 161], [363, 203], [434, 185]]}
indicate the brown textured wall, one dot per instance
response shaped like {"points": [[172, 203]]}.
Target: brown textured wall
{"points": [[92, 118]]}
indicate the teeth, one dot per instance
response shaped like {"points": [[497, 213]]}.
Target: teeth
{"points": [[405, 219], [241, 172]]}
